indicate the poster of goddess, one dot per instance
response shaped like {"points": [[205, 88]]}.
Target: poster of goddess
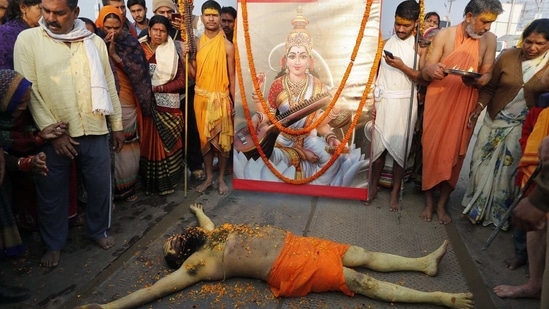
{"points": [[305, 71]]}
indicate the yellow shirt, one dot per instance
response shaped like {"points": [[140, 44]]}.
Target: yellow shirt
{"points": [[61, 86]]}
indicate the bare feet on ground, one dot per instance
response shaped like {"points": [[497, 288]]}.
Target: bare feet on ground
{"points": [[105, 242], [443, 216], [427, 213], [51, 258], [205, 185], [518, 291], [433, 259], [222, 189], [514, 263], [394, 204], [372, 194], [457, 300]]}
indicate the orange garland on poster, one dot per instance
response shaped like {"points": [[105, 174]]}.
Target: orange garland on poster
{"points": [[332, 103]]}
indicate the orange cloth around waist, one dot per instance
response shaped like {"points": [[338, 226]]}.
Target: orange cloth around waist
{"points": [[306, 265]]}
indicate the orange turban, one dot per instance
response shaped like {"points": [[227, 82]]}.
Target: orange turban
{"points": [[104, 12]]}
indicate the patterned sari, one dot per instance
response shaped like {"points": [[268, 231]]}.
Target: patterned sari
{"points": [[161, 142], [496, 156]]}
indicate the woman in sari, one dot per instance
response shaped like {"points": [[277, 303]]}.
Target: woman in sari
{"points": [[21, 15], [512, 91], [18, 141], [161, 147], [135, 96]]}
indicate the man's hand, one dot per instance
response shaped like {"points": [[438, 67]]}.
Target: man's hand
{"points": [[39, 164], [63, 146], [434, 71], [526, 217], [474, 117], [117, 140], [395, 62], [53, 131]]}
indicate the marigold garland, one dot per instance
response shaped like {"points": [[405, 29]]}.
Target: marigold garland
{"points": [[349, 132], [421, 17]]}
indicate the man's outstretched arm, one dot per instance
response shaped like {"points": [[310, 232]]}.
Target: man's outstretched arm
{"points": [[204, 221]]}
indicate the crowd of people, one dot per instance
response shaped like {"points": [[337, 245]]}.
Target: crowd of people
{"points": [[117, 123], [121, 122], [513, 90]]}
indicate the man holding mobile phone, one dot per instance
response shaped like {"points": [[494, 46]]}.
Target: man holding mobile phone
{"points": [[392, 124]]}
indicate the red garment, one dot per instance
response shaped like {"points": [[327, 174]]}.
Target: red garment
{"points": [[527, 128], [308, 264]]}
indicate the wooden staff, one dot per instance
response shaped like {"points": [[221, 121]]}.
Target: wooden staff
{"points": [[186, 10]]}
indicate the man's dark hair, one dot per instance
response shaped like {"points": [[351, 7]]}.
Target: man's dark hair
{"points": [[14, 10], [229, 10], [183, 246], [137, 2], [540, 26], [108, 2], [90, 22], [408, 10], [477, 7], [72, 4], [211, 4]]}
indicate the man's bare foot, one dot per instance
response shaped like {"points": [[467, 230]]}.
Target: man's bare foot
{"points": [[427, 213], [433, 259], [196, 207], [518, 291], [51, 258], [105, 242], [204, 186], [443, 216], [222, 188], [372, 194], [394, 204], [514, 263], [457, 300]]}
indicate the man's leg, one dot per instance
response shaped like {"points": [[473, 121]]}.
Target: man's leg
{"points": [[398, 174], [52, 205], [208, 164], [536, 263], [427, 213], [521, 254], [384, 262], [370, 287], [445, 191], [222, 188], [377, 169], [95, 163]]}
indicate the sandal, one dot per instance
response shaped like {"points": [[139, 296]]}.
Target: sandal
{"points": [[199, 175]]}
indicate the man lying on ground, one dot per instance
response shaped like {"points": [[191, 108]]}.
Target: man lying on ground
{"points": [[291, 265]]}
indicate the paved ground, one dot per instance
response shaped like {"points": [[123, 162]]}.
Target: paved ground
{"points": [[90, 274]]}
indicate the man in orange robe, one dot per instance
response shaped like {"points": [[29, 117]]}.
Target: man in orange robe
{"points": [[214, 92], [451, 107]]}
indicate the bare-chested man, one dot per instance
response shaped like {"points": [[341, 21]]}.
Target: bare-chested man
{"points": [[451, 106], [209, 253]]}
